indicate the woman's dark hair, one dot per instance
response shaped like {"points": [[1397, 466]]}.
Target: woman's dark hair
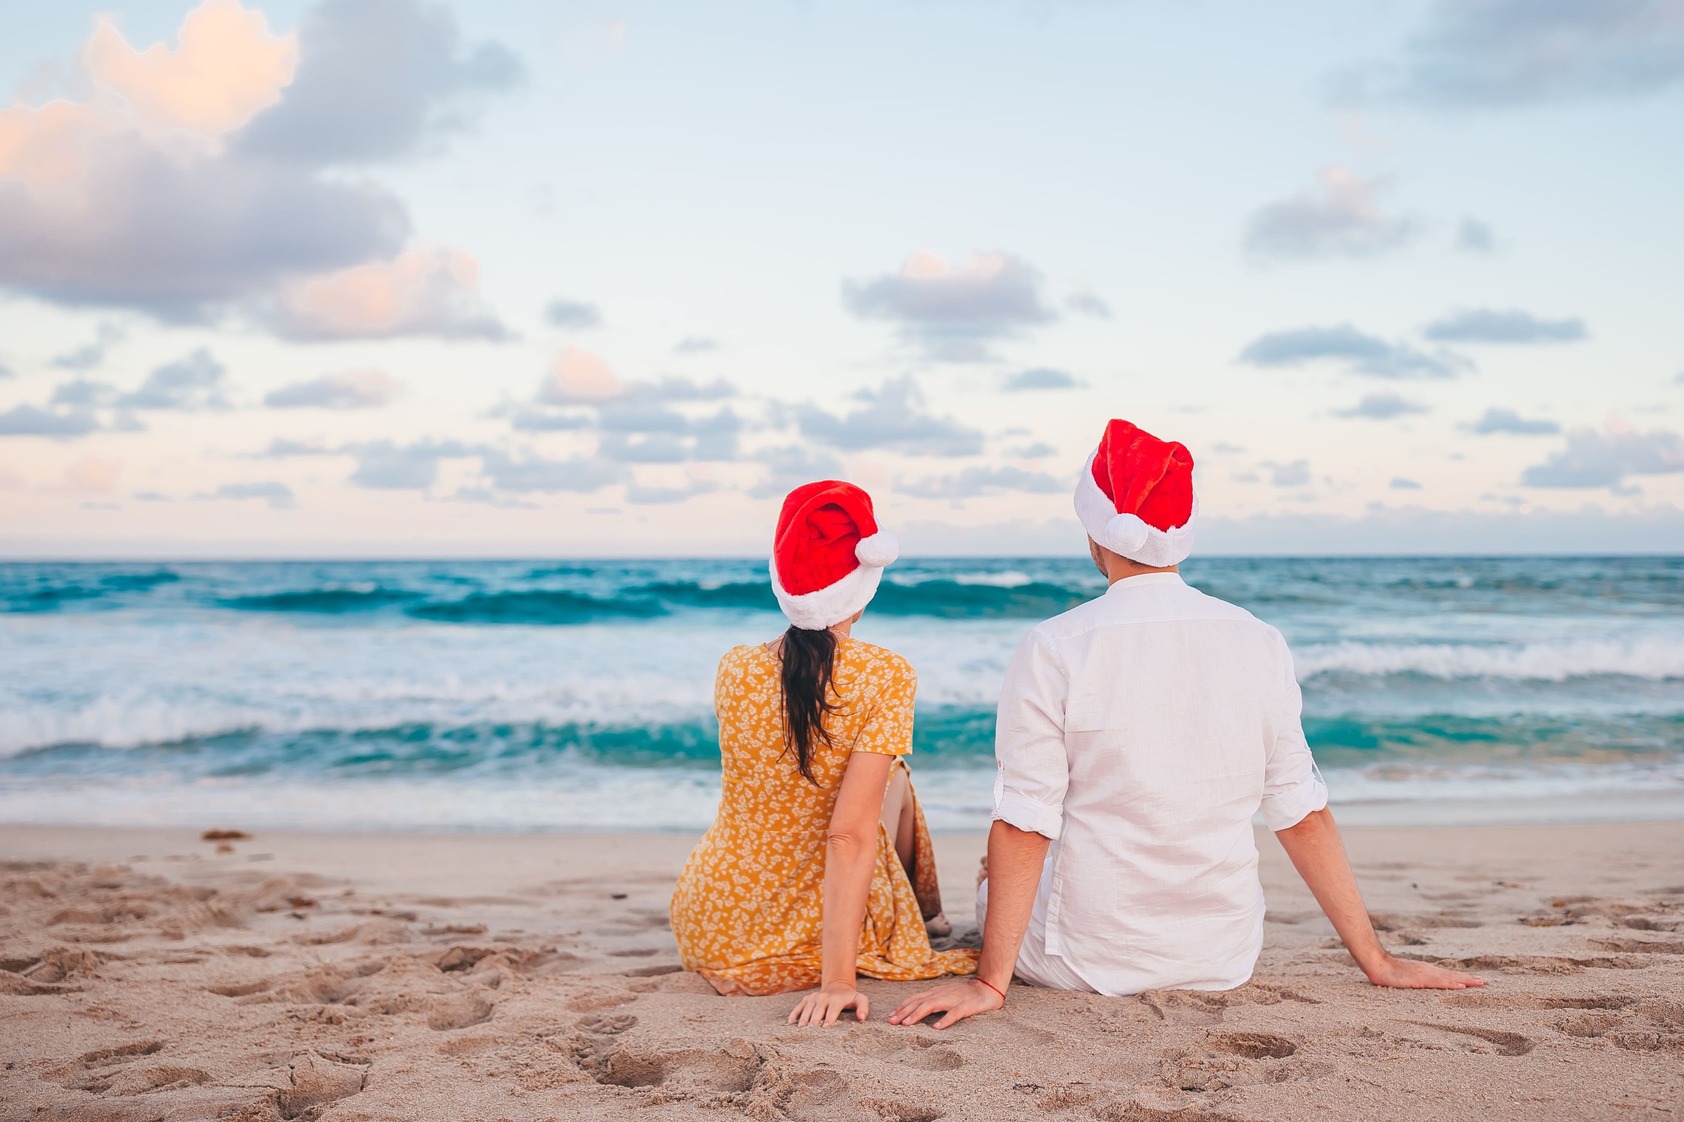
{"points": [[809, 659]]}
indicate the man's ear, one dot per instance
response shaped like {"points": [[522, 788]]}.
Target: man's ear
{"points": [[1097, 552]]}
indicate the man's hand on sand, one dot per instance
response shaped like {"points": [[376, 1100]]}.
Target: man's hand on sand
{"points": [[823, 1006], [1408, 974], [957, 1000]]}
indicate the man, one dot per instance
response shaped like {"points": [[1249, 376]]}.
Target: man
{"points": [[1138, 735]]}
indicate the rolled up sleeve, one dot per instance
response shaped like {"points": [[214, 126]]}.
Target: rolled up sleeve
{"points": [[1292, 784], [1029, 741]]}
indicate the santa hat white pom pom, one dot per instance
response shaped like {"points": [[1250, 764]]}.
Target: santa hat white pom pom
{"points": [[1126, 533], [878, 550]]}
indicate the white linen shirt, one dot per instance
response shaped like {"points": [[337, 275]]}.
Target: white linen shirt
{"points": [[1141, 732]]}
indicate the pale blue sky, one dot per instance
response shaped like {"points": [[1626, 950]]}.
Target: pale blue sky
{"points": [[1133, 196]]}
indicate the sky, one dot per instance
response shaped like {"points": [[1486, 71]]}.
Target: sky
{"points": [[386, 278]]}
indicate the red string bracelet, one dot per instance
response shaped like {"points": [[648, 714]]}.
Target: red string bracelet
{"points": [[991, 986]]}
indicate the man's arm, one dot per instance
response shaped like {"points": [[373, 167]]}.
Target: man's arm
{"points": [[1028, 815], [1318, 854], [1015, 858]]}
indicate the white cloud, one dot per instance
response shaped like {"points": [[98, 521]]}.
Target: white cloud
{"points": [[383, 465], [1293, 474], [1339, 218], [423, 292], [1475, 236], [638, 494], [1606, 458], [1362, 353], [225, 67], [575, 314], [984, 481], [954, 312], [172, 190], [1490, 325], [1381, 407], [533, 473], [1088, 304], [378, 80], [91, 354], [28, 420], [1492, 54], [353, 389], [1040, 378], [278, 495], [94, 211], [789, 466], [893, 418], [189, 383], [578, 377], [1497, 419]]}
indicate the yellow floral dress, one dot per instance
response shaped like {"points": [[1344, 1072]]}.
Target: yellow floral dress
{"points": [[748, 910]]}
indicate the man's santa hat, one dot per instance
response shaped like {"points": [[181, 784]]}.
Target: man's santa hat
{"points": [[828, 554], [1135, 496]]}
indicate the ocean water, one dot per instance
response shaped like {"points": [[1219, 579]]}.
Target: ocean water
{"points": [[577, 696]]}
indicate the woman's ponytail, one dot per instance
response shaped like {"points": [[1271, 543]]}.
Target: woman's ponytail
{"points": [[809, 660]]}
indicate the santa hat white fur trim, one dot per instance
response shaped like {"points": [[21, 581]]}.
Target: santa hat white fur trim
{"points": [[878, 550], [1126, 534], [815, 611], [829, 606]]}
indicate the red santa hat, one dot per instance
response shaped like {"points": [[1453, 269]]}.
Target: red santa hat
{"points": [[828, 554], [1135, 496]]}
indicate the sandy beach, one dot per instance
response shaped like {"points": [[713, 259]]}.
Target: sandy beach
{"points": [[150, 974]]}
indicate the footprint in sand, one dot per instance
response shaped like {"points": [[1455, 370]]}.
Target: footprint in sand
{"points": [[654, 971], [1254, 1045], [889, 1111], [606, 1024], [1502, 1043], [1652, 1025], [1135, 1111], [315, 1081], [1208, 1006], [168, 1077], [1535, 964], [1231, 1059], [596, 1048], [924, 1054], [591, 1002], [96, 1071], [459, 1011]]}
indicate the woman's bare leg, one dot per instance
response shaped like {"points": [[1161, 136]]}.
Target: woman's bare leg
{"points": [[899, 820], [900, 817]]}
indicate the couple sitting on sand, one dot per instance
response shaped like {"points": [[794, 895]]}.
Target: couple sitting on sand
{"points": [[1138, 735]]}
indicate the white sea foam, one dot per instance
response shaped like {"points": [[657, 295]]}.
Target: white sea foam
{"points": [[1649, 657], [587, 796]]}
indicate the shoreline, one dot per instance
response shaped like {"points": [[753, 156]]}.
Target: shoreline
{"points": [[530, 813], [357, 976]]}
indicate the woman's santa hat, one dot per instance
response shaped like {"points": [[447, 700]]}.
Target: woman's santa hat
{"points": [[1135, 496], [828, 554]]}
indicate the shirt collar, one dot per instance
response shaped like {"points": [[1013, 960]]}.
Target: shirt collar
{"points": [[1143, 580]]}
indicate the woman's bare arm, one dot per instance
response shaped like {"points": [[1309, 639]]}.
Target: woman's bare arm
{"points": [[850, 860]]}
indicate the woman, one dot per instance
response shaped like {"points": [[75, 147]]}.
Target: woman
{"points": [[807, 875]]}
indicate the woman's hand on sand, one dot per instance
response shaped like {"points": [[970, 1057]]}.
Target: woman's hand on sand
{"points": [[957, 1000], [1408, 974], [824, 1005]]}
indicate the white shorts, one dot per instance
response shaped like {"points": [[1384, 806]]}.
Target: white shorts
{"points": [[1034, 964]]}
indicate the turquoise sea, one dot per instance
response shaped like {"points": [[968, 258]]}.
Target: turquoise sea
{"points": [[577, 695]]}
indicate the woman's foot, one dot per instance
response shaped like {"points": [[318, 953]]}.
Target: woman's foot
{"points": [[982, 871], [938, 927]]}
